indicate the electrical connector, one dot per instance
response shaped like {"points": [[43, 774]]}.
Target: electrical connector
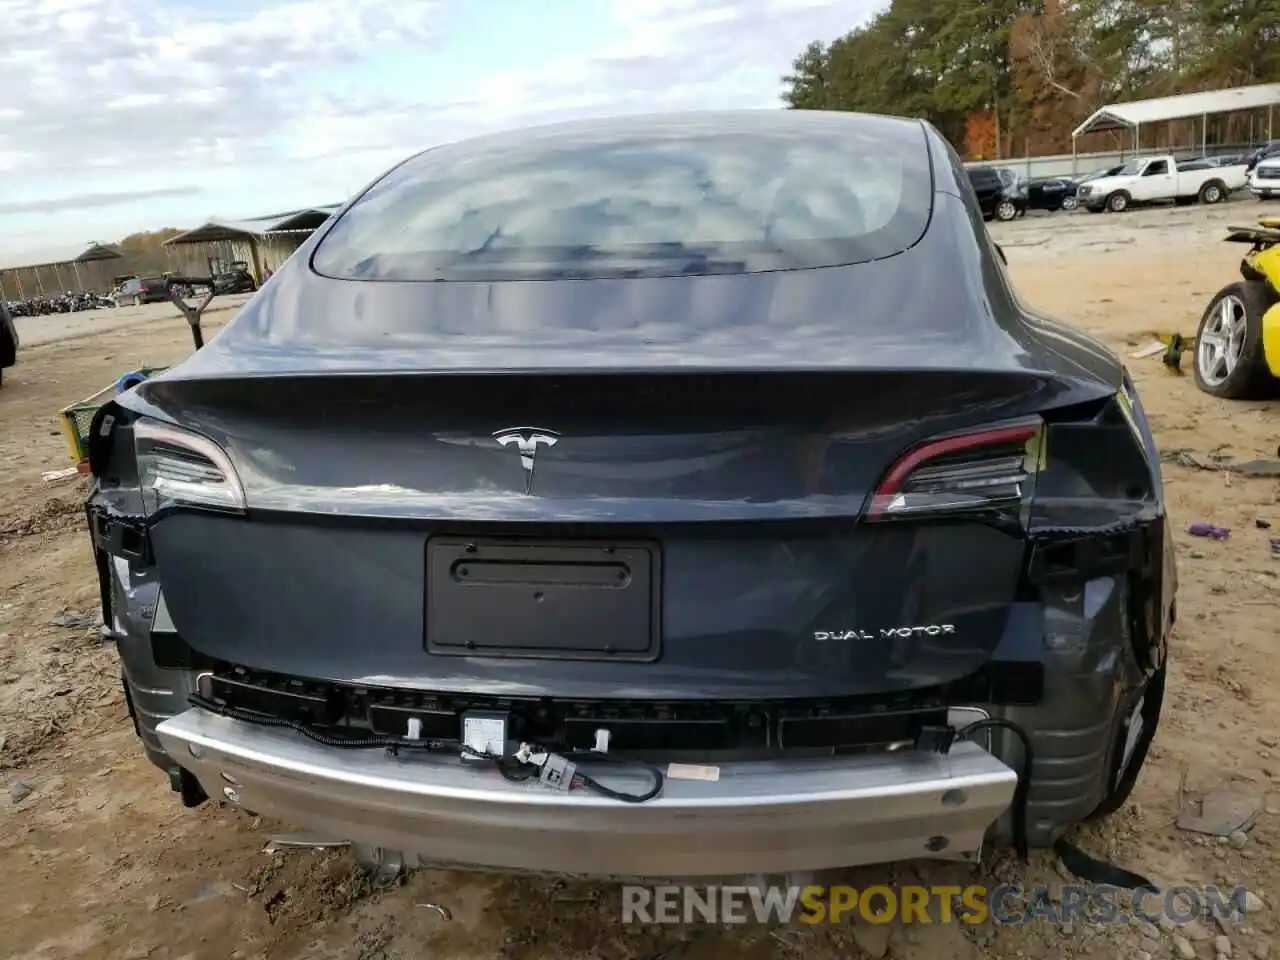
{"points": [[557, 772], [528, 753]]}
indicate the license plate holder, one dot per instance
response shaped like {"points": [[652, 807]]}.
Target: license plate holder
{"points": [[557, 599]]}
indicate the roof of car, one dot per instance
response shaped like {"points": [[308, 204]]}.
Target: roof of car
{"points": [[762, 120], [708, 122]]}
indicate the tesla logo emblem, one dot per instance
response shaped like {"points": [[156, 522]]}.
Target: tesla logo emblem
{"points": [[526, 440]]}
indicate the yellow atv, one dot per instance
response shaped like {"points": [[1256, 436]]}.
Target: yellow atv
{"points": [[1237, 347]]}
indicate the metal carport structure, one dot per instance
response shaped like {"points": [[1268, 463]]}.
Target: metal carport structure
{"points": [[84, 271], [262, 242], [1184, 106]]}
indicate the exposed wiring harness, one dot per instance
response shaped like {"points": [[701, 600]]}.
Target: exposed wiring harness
{"points": [[1018, 810], [519, 762], [524, 761], [360, 742]]}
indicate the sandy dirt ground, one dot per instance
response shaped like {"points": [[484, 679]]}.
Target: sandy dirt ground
{"points": [[33, 331], [99, 859]]}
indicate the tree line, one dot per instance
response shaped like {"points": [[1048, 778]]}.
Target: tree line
{"points": [[1008, 78]]}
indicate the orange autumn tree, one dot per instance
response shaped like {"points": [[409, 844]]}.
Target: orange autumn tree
{"points": [[980, 135]]}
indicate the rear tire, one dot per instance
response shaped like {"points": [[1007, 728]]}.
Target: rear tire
{"points": [[1006, 210], [1215, 191], [1229, 359], [1118, 202]]}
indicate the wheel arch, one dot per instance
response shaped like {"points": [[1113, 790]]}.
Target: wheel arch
{"points": [[1215, 182], [1265, 264], [1271, 339]]}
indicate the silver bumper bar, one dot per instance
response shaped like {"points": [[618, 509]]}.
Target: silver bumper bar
{"points": [[759, 817]]}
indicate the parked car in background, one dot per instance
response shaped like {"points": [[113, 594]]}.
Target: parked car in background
{"points": [[1096, 175], [1052, 193], [235, 279], [1001, 194], [484, 611], [1265, 152], [8, 340], [1264, 179], [140, 290], [1160, 179]]}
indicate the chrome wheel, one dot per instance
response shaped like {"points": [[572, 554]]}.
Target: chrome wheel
{"points": [[1212, 194], [1221, 342], [1070, 203], [1006, 210]]}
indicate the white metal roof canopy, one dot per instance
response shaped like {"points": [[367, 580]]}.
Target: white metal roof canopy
{"points": [[1128, 116]]}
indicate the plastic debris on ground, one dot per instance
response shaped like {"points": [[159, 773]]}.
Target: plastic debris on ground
{"points": [[1221, 812], [1264, 469], [1255, 468], [75, 621], [1150, 350], [1209, 531], [304, 841]]}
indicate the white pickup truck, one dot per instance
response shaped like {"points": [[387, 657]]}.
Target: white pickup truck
{"points": [[1161, 179], [1264, 179]]}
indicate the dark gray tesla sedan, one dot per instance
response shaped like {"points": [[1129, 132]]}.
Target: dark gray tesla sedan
{"points": [[658, 496]]}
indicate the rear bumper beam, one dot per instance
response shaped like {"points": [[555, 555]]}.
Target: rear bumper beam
{"points": [[759, 817]]}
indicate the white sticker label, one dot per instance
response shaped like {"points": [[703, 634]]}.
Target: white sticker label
{"points": [[692, 771], [108, 422], [484, 734]]}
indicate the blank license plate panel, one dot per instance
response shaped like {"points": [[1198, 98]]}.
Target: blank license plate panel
{"points": [[535, 598]]}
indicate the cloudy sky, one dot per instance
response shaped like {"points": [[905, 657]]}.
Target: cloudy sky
{"points": [[119, 115]]}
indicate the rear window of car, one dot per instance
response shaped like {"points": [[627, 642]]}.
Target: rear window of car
{"points": [[674, 197], [984, 176], [153, 283]]}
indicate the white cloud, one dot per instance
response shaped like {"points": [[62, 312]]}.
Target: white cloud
{"points": [[132, 79], [260, 101]]}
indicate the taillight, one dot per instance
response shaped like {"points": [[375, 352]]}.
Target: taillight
{"points": [[959, 473], [177, 467]]}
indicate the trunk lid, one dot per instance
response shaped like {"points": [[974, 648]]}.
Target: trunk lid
{"points": [[736, 500]]}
